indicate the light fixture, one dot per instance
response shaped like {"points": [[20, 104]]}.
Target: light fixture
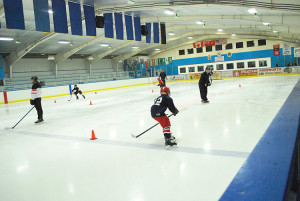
{"points": [[171, 33], [190, 37], [169, 12], [275, 31], [233, 34], [6, 38], [120, 61], [252, 11], [63, 42], [104, 45], [50, 11], [199, 22], [130, 2], [134, 47], [220, 30], [266, 23], [17, 41], [157, 49], [71, 44], [90, 58]]}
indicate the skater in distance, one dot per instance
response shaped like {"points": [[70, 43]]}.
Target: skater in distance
{"points": [[163, 76], [36, 94], [76, 91], [203, 84], [161, 104]]}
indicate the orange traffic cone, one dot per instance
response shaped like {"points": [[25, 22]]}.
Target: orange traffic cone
{"points": [[240, 85], [91, 103], [54, 101], [152, 91], [95, 92], [93, 136]]}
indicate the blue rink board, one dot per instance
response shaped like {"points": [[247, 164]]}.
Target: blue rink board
{"points": [[264, 175]]}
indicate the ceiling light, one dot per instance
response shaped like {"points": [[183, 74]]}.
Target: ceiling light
{"points": [[17, 41], [220, 30], [71, 44], [171, 33], [190, 37], [104, 45], [275, 31], [233, 34], [50, 11], [252, 11], [6, 38], [157, 49], [120, 61], [199, 22], [266, 23], [64, 42], [130, 2], [135, 47], [169, 12]]}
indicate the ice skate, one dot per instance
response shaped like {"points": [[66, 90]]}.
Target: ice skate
{"points": [[39, 121], [170, 142]]}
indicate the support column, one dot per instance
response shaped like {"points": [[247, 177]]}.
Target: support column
{"points": [[10, 72], [55, 70]]}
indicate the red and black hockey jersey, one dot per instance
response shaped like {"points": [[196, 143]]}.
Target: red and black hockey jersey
{"points": [[161, 104]]}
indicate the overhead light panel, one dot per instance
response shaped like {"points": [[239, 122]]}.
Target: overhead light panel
{"points": [[199, 22], [104, 45], [266, 23], [171, 33], [135, 47], [275, 31], [157, 49], [169, 12], [190, 37], [17, 41], [220, 30], [252, 11], [130, 2], [6, 38], [63, 42]]}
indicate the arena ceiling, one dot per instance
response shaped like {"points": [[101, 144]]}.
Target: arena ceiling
{"points": [[232, 16]]}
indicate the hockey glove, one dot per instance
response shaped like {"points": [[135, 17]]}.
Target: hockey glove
{"points": [[176, 113], [208, 84], [31, 102]]}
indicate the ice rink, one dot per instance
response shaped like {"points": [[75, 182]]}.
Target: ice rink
{"points": [[56, 160]]}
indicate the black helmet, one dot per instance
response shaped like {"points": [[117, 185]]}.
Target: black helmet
{"points": [[35, 78], [75, 85], [207, 68]]}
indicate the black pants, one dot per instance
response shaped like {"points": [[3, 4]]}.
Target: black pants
{"points": [[38, 107], [203, 91]]}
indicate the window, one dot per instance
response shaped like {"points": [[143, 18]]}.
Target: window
{"points": [[251, 64], [263, 63], [239, 45], [183, 70], [220, 66], [250, 43], [208, 48], [191, 69], [218, 47], [200, 68], [210, 66], [190, 51], [240, 65], [181, 52], [262, 42], [199, 49], [228, 46], [229, 66]]}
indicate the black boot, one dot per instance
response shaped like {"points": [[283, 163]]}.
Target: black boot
{"points": [[39, 121], [169, 141]]}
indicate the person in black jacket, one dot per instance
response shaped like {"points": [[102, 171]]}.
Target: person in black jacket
{"points": [[161, 104], [36, 94], [203, 84], [76, 91], [163, 76]]}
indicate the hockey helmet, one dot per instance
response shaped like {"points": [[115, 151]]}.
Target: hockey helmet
{"points": [[35, 78], [165, 91]]}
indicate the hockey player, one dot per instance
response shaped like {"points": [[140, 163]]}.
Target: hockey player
{"points": [[36, 94], [161, 104], [76, 91], [203, 84], [163, 76], [161, 84]]}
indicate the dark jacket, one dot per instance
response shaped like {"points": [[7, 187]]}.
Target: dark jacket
{"points": [[204, 79], [161, 104], [163, 75]]}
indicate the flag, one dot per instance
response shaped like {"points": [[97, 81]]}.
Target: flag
{"points": [[170, 61], [276, 49], [198, 44], [209, 43], [221, 42]]}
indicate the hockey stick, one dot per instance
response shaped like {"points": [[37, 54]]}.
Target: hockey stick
{"points": [[21, 119], [136, 136]]}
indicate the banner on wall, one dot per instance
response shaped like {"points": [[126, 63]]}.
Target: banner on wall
{"points": [[286, 50], [236, 73], [273, 71], [276, 49], [297, 52], [219, 59], [221, 42], [250, 72]]}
